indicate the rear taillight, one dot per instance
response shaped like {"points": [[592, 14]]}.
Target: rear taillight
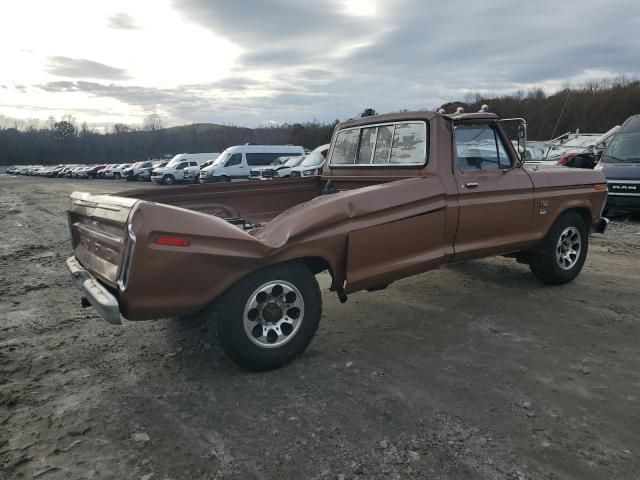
{"points": [[172, 241]]}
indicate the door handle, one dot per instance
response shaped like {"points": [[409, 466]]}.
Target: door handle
{"points": [[472, 184]]}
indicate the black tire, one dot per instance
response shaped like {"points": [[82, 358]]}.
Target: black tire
{"points": [[116, 176], [168, 180], [225, 179], [544, 261], [230, 317]]}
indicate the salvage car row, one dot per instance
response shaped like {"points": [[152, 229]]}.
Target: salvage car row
{"points": [[241, 162]]}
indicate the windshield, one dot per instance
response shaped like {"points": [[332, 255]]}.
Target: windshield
{"points": [[624, 148], [294, 161], [313, 159], [279, 161], [221, 158], [175, 161]]}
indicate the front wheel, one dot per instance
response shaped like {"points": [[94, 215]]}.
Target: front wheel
{"points": [[168, 180], [116, 176], [270, 316], [561, 254]]}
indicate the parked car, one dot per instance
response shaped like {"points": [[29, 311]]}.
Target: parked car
{"points": [[73, 173], [235, 163], [116, 171], [280, 168], [145, 173], [33, 170], [620, 163], [392, 202], [577, 150], [63, 171], [103, 171], [191, 173], [132, 173], [90, 172], [174, 171], [312, 163]]}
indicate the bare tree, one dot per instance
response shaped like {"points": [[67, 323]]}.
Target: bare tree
{"points": [[152, 122], [121, 128]]}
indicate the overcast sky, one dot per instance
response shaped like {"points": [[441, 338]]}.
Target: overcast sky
{"points": [[249, 62]]}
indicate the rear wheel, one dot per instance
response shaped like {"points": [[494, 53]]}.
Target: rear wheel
{"points": [[270, 316], [168, 180], [560, 256], [116, 176]]}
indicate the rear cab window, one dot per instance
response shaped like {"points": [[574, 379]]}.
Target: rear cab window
{"points": [[384, 145]]}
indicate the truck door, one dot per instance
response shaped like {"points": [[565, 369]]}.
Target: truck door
{"points": [[495, 196]]}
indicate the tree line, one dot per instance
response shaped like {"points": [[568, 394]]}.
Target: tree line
{"points": [[64, 141], [593, 107]]}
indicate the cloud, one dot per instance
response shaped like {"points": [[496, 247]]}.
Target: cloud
{"points": [[122, 21], [83, 68], [488, 45], [330, 59]]}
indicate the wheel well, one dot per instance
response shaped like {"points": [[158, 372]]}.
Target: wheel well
{"points": [[583, 212], [316, 264]]}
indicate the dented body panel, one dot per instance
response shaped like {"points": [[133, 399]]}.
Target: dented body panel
{"points": [[377, 224]]}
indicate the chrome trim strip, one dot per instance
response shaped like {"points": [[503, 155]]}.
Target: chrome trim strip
{"points": [[616, 181], [125, 274]]}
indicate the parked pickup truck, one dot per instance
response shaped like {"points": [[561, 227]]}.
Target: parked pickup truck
{"points": [[400, 194]]}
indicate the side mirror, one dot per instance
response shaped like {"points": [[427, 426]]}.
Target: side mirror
{"points": [[521, 136]]}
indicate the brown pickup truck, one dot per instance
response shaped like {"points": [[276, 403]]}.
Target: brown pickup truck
{"points": [[400, 194]]}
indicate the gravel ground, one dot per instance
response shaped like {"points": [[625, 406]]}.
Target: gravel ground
{"points": [[473, 371]]}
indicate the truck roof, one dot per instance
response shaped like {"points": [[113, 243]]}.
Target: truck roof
{"points": [[415, 115]]}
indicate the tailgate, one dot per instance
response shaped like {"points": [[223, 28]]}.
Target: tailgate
{"points": [[99, 233]]}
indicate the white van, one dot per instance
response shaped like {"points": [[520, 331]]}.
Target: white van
{"points": [[174, 171], [235, 163]]}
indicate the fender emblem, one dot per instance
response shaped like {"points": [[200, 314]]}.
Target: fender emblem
{"points": [[543, 207]]}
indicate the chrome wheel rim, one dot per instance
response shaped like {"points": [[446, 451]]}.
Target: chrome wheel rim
{"points": [[568, 248], [273, 314]]}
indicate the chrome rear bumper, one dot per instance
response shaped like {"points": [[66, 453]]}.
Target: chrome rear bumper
{"points": [[95, 293]]}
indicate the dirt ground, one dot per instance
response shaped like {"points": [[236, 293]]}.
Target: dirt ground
{"points": [[473, 371]]}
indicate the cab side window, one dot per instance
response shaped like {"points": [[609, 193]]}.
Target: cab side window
{"points": [[181, 166], [235, 159], [479, 147]]}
